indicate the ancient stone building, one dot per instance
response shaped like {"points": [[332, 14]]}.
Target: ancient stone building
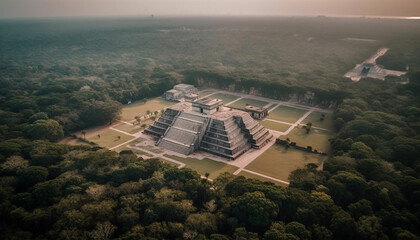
{"points": [[181, 92], [256, 111], [209, 126]]}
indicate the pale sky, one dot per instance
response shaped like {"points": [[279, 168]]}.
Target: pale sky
{"points": [[57, 8]]}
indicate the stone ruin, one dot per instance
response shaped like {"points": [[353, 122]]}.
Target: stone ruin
{"points": [[209, 126]]}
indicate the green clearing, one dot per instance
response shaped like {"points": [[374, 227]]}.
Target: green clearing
{"points": [[205, 165], [317, 139], [205, 93], [278, 162], [227, 98], [141, 153], [281, 127], [140, 108], [132, 129], [250, 175], [287, 114], [243, 102], [271, 106], [315, 119], [107, 137]]}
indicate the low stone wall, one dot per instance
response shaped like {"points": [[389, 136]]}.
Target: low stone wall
{"points": [[294, 145]]}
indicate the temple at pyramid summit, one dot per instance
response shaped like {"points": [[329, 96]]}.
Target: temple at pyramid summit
{"points": [[209, 126]]}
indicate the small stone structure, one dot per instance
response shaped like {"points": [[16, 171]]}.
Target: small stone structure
{"points": [[256, 111], [207, 105], [209, 126], [181, 92]]}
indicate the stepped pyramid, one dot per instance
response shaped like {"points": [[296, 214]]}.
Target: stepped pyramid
{"points": [[209, 126]]}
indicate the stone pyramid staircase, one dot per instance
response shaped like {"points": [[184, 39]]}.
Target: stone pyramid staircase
{"points": [[224, 138], [256, 134], [184, 134]]}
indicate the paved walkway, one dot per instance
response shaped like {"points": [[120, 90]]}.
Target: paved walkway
{"points": [[159, 155], [265, 176], [245, 159], [298, 121], [271, 101], [234, 101]]}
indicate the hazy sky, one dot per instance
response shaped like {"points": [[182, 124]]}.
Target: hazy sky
{"points": [[47, 8]]}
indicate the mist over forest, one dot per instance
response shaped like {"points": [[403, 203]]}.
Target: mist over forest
{"points": [[60, 76]]}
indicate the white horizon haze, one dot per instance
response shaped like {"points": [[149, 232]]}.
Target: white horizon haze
{"points": [[69, 8]]}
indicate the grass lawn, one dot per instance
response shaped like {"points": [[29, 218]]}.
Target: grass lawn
{"points": [[278, 162], [205, 93], [205, 166], [129, 128], [242, 103], [318, 139], [281, 127], [271, 106], [108, 137], [227, 98], [287, 114], [140, 108], [315, 117], [250, 175], [141, 153]]}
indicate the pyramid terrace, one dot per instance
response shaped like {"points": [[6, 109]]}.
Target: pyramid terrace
{"points": [[209, 126]]}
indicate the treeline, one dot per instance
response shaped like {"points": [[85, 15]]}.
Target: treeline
{"points": [[270, 89], [66, 99]]}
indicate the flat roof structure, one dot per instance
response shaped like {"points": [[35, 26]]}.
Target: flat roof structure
{"points": [[208, 126]]}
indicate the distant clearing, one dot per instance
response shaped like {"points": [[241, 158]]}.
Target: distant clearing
{"points": [[278, 162], [287, 114], [129, 128], [205, 93], [129, 112], [205, 165], [107, 137], [281, 127], [315, 119], [243, 102], [227, 98], [317, 139]]}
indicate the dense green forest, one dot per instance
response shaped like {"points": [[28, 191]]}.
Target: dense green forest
{"points": [[369, 189], [58, 76]]}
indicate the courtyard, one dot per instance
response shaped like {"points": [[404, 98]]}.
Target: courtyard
{"points": [[273, 163]]}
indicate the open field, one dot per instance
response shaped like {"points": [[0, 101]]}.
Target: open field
{"points": [[315, 119], [250, 175], [271, 106], [129, 128], [140, 108], [281, 127], [107, 137], [317, 139], [279, 162], [205, 165], [227, 98], [243, 102], [286, 114], [205, 93]]}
